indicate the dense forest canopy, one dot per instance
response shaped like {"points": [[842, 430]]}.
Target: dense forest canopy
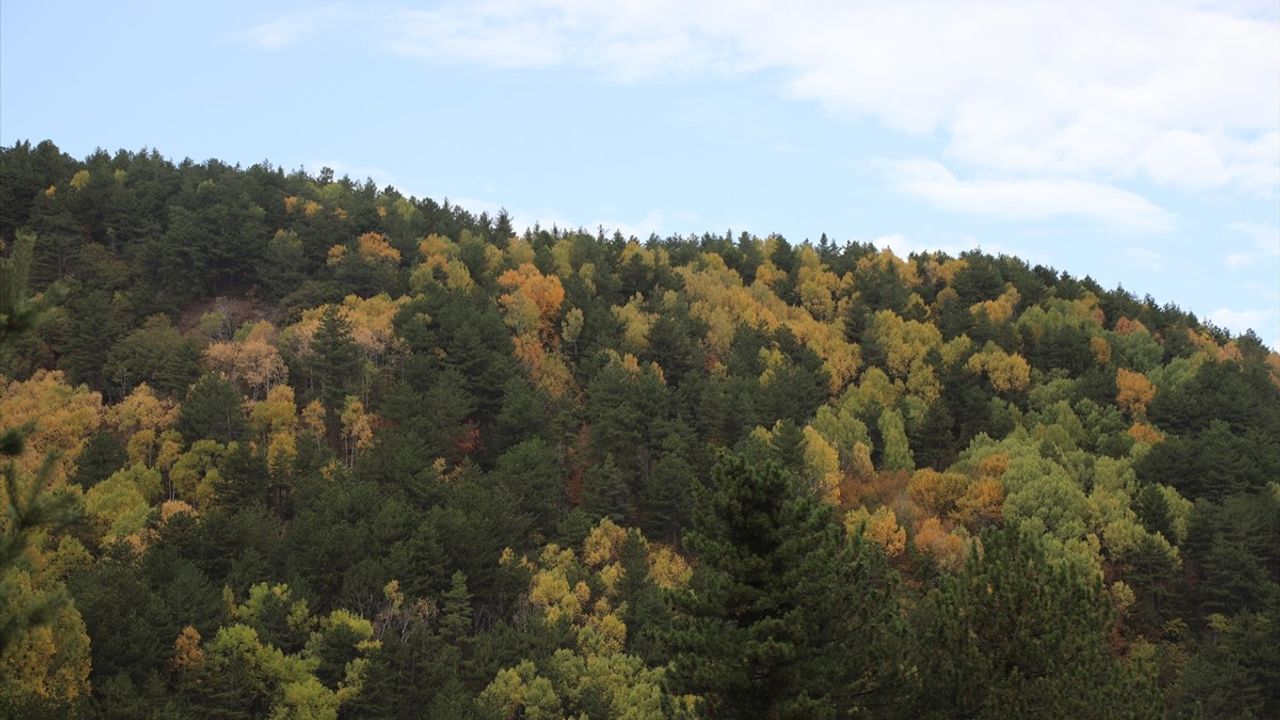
{"points": [[292, 446]]}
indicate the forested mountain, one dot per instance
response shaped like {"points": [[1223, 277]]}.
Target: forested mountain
{"points": [[299, 447]]}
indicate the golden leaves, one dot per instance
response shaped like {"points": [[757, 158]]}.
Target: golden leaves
{"points": [[253, 362], [1007, 372], [64, 418], [880, 527], [1134, 392]]}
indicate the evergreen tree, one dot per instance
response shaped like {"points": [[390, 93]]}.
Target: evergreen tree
{"points": [[334, 363], [212, 410], [784, 617], [605, 492], [455, 611], [1018, 633]]}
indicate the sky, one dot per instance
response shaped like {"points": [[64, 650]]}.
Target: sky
{"points": [[1135, 142]]}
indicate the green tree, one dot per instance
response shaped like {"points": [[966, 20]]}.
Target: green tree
{"points": [[334, 363], [1018, 633], [212, 411], [785, 617], [896, 454]]}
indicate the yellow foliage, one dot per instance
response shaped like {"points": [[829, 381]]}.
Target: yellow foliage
{"points": [[1125, 326], [357, 430], [336, 255], [374, 246], [312, 418], [935, 492], [860, 465], [187, 653], [982, 503], [281, 452], [880, 527], [718, 298], [169, 508], [822, 463], [667, 569], [948, 550], [956, 349], [603, 543], [371, 322], [1134, 392], [64, 417], [905, 342], [635, 324], [253, 362], [1101, 349], [519, 252], [142, 410], [278, 412], [48, 662], [993, 465], [1000, 310], [1005, 372], [532, 299], [885, 259], [1144, 433]]}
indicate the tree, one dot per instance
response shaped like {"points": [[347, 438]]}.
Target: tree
{"points": [[784, 617], [213, 411], [605, 491], [156, 354], [335, 360], [896, 454], [1024, 635]]}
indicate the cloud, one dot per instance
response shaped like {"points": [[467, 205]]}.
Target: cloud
{"points": [[291, 29], [1028, 199], [902, 246], [1264, 321], [1145, 258], [1181, 93], [1266, 245], [653, 222]]}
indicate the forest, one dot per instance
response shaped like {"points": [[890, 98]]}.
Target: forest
{"points": [[281, 445]]}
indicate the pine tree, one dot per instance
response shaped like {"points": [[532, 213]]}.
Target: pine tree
{"points": [[1017, 633], [335, 361], [455, 613], [784, 616], [605, 492]]}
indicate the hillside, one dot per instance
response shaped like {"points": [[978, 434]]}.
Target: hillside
{"points": [[324, 450]]}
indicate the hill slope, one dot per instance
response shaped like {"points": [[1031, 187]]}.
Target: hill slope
{"points": [[345, 452]]}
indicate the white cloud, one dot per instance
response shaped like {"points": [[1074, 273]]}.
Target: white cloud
{"points": [[357, 173], [1179, 92], [1028, 199], [1053, 105], [1263, 321], [1143, 257], [903, 246], [654, 222], [1265, 249], [291, 29]]}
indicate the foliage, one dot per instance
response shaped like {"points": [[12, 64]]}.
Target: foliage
{"points": [[287, 445]]}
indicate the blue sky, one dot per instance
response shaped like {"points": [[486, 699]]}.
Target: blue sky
{"points": [[1135, 142]]}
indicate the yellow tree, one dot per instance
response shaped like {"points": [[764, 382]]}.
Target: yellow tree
{"points": [[1134, 392], [357, 429], [252, 361], [1007, 372], [64, 417], [531, 306]]}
